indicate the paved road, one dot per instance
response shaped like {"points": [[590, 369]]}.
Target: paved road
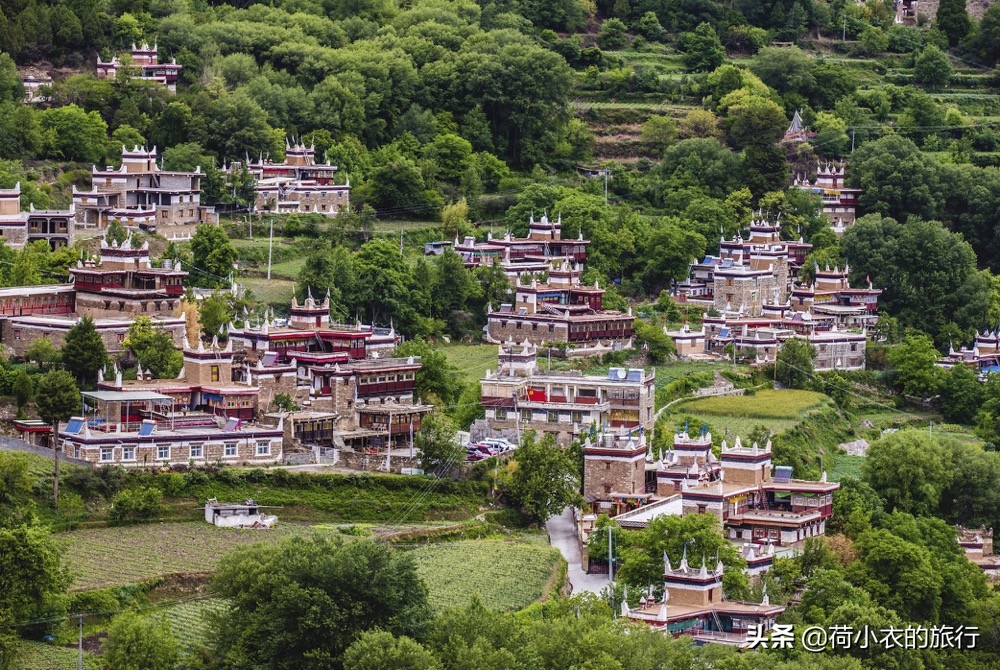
{"points": [[562, 535]]}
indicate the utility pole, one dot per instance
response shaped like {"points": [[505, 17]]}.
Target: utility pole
{"points": [[388, 444], [611, 559], [517, 418], [270, 248], [411, 436], [607, 173], [400, 241], [843, 35], [79, 654], [496, 472], [852, 139]]}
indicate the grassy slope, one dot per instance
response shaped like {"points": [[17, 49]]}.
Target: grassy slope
{"points": [[472, 360], [806, 427]]}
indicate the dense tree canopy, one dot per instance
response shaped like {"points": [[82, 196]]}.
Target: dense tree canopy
{"points": [[300, 603], [928, 274]]}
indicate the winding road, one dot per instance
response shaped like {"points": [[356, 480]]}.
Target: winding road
{"points": [[562, 536]]}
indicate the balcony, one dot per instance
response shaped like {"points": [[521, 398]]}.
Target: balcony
{"points": [[368, 390]]}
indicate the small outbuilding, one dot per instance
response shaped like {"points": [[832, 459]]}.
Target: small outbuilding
{"points": [[237, 515]]}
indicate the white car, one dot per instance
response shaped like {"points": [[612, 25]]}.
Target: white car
{"points": [[500, 444]]}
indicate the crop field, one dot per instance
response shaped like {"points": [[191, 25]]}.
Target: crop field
{"points": [[767, 404], [42, 656], [846, 466], [506, 576], [472, 360], [723, 427], [100, 557], [732, 416], [273, 291], [189, 621]]}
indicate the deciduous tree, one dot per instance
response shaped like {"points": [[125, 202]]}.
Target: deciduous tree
{"points": [[544, 481], [380, 650], [436, 443], [57, 399], [931, 68], [299, 604], [703, 52], [153, 348], [213, 256], [909, 469], [140, 643], [795, 363]]}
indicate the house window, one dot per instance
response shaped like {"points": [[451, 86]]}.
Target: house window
{"points": [[197, 451], [701, 509], [230, 450], [215, 373], [501, 413], [577, 417], [264, 448], [128, 453], [552, 417], [525, 415], [163, 453], [607, 465], [607, 488], [107, 455]]}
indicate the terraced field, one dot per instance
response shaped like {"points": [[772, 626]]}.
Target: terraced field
{"points": [[732, 416], [101, 557]]}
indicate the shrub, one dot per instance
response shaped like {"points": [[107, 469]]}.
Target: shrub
{"points": [[136, 506]]}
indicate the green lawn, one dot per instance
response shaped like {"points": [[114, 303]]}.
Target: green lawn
{"points": [[504, 575], [472, 360]]}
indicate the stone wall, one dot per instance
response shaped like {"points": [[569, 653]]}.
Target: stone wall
{"points": [[213, 452], [18, 335], [355, 460], [100, 307], [604, 476], [272, 385], [13, 444]]}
